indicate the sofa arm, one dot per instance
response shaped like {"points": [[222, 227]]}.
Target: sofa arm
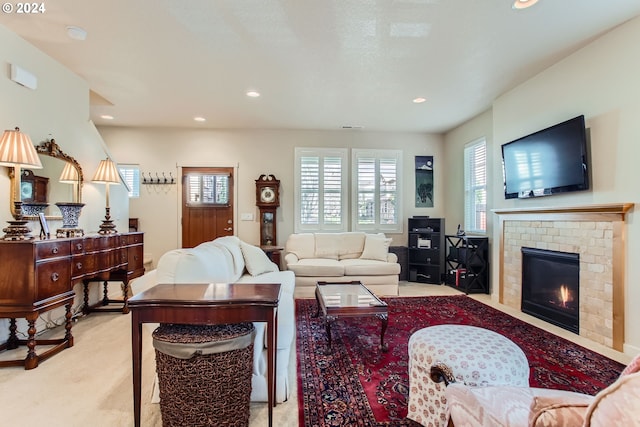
{"points": [[144, 282], [290, 258], [392, 258]]}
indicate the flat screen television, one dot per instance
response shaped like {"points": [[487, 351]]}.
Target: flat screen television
{"points": [[550, 161]]}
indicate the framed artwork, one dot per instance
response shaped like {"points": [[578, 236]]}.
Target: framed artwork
{"points": [[424, 182], [44, 227]]}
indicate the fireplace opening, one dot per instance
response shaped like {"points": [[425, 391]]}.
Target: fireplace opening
{"points": [[550, 286]]}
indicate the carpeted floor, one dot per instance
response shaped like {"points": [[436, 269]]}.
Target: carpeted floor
{"points": [[356, 384]]}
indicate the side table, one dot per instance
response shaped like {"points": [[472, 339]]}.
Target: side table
{"points": [[205, 304]]}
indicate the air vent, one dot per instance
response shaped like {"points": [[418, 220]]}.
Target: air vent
{"points": [[352, 127]]}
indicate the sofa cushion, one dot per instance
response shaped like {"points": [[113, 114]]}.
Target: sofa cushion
{"points": [[376, 247], [351, 244], [369, 267], [327, 245], [312, 267], [256, 261], [302, 245]]}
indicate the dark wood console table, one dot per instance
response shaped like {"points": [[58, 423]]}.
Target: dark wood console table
{"points": [[39, 275], [205, 304]]}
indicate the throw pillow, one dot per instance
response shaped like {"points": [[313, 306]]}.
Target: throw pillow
{"points": [[376, 247], [255, 260]]}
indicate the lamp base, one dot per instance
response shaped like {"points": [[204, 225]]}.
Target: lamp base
{"points": [[107, 226], [17, 230]]}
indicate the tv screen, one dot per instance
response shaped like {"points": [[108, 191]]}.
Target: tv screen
{"points": [[550, 161]]}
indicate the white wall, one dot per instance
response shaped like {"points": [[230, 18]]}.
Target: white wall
{"points": [[58, 108], [599, 81], [253, 152]]}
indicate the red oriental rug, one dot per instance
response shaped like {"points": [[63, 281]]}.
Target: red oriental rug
{"points": [[357, 385]]}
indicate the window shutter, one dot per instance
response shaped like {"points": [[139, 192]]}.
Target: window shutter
{"points": [[475, 191]]}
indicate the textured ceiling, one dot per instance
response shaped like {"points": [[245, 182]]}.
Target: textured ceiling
{"points": [[318, 64]]}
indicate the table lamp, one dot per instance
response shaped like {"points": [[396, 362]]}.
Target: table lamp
{"points": [[17, 150], [107, 174]]}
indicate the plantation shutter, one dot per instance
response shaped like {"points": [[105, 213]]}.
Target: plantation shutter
{"points": [[475, 182], [321, 189]]}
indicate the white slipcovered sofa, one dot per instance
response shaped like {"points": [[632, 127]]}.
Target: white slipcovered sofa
{"points": [[342, 257], [228, 259]]}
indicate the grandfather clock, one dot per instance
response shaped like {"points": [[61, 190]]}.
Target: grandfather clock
{"points": [[267, 200]]}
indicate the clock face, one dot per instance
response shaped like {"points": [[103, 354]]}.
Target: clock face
{"points": [[26, 190], [267, 195]]}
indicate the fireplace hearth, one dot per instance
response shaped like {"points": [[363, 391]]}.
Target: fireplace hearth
{"points": [[551, 286]]}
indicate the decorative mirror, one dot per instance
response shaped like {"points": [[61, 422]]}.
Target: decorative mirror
{"points": [[53, 190]]}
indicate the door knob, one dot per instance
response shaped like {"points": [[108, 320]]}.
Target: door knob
{"points": [[228, 229]]}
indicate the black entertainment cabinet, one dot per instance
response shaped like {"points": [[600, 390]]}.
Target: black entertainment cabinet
{"points": [[426, 250], [468, 263]]}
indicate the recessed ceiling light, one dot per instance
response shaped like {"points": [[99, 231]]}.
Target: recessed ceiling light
{"points": [[106, 117], [523, 4], [76, 33], [253, 94], [419, 100], [199, 119]]}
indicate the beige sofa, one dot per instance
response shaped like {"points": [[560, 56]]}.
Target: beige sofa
{"points": [[342, 257]]}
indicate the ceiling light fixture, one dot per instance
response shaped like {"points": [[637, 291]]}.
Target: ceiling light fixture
{"points": [[199, 119], [523, 4], [253, 94], [76, 33], [419, 100], [106, 117]]}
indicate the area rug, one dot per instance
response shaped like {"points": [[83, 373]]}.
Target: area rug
{"points": [[357, 385]]}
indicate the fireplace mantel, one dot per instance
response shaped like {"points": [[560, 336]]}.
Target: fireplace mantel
{"points": [[611, 208], [571, 229]]}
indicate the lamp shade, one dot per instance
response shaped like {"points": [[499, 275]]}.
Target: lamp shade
{"points": [[69, 174], [16, 148], [107, 173]]}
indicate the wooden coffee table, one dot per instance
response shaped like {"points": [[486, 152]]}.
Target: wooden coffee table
{"points": [[349, 299]]}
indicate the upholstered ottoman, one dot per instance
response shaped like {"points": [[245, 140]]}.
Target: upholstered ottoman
{"points": [[476, 356]]}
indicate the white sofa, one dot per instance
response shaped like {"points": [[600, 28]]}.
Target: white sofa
{"points": [[228, 259], [342, 257]]}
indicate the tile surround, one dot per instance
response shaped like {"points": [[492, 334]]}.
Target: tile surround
{"points": [[597, 233]]}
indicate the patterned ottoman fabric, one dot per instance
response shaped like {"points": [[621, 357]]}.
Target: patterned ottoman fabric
{"points": [[476, 356]]}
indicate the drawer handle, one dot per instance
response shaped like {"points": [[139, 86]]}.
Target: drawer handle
{"points": [[79, 266], [136, 257], [79, 246], [55, 277], [55, 250]]}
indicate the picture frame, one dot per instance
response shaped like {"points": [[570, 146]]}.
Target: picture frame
{"points": [[44, 226]]}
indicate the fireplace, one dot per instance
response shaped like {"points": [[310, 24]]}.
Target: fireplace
{"points": [[550, 286]]}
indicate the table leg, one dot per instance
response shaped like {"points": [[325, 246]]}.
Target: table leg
{"points": [[271, 365], [31, 360], [327, 328], [385, 320], [136, 350]]}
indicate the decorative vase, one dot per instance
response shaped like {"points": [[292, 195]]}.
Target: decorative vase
{"points": [[70, 213], [33, 209]]}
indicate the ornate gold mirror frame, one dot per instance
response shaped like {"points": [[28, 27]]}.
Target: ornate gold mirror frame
{"points": [[50, 148]]}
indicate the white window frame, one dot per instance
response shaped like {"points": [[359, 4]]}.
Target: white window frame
{"points": [[130, 175], [321, 154], [475, 180], [377, 225]]}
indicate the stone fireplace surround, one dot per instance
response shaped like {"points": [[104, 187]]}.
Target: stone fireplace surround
{"points": [[597, 233]]}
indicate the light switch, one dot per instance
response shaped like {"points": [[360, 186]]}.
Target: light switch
{"points": [[246, 217]]}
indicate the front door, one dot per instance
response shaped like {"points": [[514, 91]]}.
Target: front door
{"points": [[207, 204]]}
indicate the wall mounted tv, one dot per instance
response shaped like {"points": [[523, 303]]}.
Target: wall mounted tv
{"points": [[550, 161]]}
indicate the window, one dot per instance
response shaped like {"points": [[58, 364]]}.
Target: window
{"points": [[208, 189], [376, 186], [131, 176], [475, 186], [321, 197]]}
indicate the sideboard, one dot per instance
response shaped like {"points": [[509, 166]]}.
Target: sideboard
{"points": [[39, 275]]}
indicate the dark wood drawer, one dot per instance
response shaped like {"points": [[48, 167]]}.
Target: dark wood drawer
{"points": [[82, 265], [53, 249], [52, 278], [136, 257]]}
